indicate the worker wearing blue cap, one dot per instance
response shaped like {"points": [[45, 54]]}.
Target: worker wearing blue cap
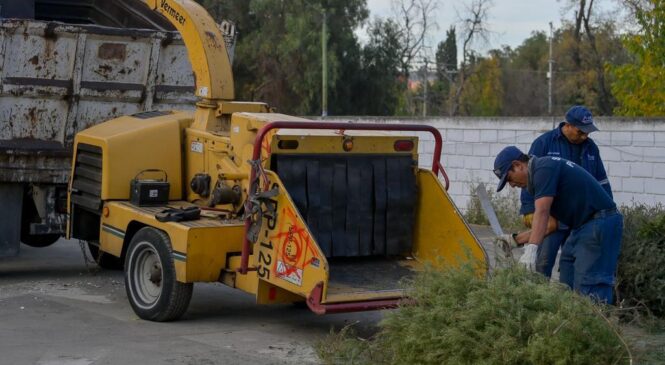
{"points": [[564, 190], [570, 140]]}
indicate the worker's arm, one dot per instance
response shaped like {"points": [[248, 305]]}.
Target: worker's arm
{"points": [[540, 219]]}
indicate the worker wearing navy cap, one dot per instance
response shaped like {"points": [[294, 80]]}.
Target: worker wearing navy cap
{"points": [[570, 140], [567, 192]]}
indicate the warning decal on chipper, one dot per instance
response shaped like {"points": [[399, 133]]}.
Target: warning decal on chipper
{"points": [[294, 250], [289, 273]]}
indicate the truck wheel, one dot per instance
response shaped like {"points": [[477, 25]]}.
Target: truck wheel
{"points": [[150, 278], [103, 259]]}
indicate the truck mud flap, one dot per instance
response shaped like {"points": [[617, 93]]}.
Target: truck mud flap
{"points": [[11, 200]]}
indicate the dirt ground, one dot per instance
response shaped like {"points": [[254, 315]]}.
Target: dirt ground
{"points": [[55, 310]]}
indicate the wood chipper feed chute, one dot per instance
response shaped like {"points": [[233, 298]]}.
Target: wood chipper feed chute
{"points": [[344, 227]]}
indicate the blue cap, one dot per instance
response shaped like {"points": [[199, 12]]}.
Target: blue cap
{"points": [[581, 118], [503, 162]]}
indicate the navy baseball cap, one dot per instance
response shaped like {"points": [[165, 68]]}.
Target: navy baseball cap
{"points": [[503, 162], [581, 118]]}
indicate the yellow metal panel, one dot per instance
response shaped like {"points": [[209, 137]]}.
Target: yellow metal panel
{"points": [[286, 254], [200, 248], [205, 46], [130, 145], [111, 241], [442, 237], [230, 107], [270, 294], [207, 249], [334, 144]]}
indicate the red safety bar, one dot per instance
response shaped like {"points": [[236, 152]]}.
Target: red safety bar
{"points": [[436, 164]]}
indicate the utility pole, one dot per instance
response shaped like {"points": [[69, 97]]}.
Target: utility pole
{"points": [[324, 72], [425, 96], [550, 75]]}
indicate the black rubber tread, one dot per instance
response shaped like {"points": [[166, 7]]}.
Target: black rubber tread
{"points": [[103, 259], [175, 296]]}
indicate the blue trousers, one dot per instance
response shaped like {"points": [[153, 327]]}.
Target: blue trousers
{"points": [[548, 249], [589, 257]]}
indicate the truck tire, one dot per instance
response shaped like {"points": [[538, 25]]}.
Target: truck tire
{"points": [[103, 259], [150, 278]]}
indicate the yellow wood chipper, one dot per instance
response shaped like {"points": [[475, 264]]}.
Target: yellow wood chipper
{"points": [[290, 210]]}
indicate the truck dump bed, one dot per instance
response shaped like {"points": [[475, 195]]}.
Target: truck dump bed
{"points": [[57, 79]]}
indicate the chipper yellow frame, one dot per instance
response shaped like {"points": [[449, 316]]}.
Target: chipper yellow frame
{"points": [[291, 210]]}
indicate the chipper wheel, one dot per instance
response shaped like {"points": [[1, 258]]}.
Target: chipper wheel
{"points": [[150, 278]]}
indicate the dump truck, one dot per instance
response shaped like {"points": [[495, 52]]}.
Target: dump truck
{"points": [[65, 66], [290, 210]]}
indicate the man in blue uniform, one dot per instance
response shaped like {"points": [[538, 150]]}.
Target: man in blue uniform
{"points": [[570, 140], [567, 192]]}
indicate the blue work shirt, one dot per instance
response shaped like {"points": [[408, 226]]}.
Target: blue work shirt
{"points": [[586, 154], [577, 195]]}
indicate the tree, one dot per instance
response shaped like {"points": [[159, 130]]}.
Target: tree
{"points": [[523, 76], [415, 20], [483, 92], [577, 67], [380, 89], [474, 28], [640, 86], [278, 52], [446, 68], [446, 56]]}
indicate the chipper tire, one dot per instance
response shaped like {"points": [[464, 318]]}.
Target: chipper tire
{"points": [[150, 278]]}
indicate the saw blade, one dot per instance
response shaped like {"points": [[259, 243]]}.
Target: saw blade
{"points": [[489, 210]]}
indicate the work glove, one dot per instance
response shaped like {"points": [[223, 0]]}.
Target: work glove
{"points": [[508, 239], [527, 219], [506, 242], [528, 259]]}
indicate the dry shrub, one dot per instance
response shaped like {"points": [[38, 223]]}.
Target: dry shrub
{"points": [[512, 317], [641, 269], [506, 206]]}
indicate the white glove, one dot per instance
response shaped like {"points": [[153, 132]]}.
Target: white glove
{"points": [[528, 259]]}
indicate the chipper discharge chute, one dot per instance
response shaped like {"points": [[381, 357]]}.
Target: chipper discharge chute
{"points": [[287, 209]]}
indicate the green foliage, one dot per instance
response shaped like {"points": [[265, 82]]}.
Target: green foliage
{"points": [[483, 94], [278, 52], [380, 63], [639, 86], [446, 55], [506, 206], [641, 270], [458, 317]]}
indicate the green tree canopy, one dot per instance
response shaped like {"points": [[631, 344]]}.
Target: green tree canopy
{"points": [[640, 86]]}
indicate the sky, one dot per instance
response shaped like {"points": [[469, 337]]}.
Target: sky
{"points": [[511, 21]]}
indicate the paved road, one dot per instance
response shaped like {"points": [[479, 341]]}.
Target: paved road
{"points": [[55, 310]]}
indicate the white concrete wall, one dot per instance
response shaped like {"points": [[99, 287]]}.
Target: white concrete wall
{"points": [[633, 151]]}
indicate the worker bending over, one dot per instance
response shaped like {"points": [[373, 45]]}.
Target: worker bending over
{"points": [[570, 140], [567, 192]]}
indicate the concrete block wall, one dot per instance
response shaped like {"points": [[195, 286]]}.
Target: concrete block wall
{"points": [[633, 151]]}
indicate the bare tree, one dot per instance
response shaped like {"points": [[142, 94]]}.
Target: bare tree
{"points": [[415, 19], [584, 25], [473, 30]]}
